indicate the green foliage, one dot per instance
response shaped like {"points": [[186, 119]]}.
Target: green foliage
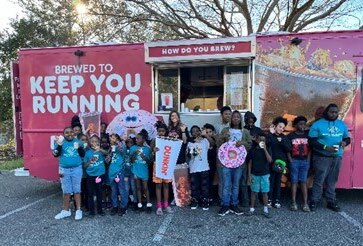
{"points": [[7, 151], [12, 164]]}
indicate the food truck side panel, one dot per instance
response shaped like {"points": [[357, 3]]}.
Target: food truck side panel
{"points": [[296, 77], [58, 83]]}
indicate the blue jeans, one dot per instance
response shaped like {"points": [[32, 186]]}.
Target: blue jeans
{"points": [[130, 184], [116, 189], [231, 182]]}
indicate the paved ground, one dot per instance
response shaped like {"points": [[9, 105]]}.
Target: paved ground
{"points": [[28, 206]]}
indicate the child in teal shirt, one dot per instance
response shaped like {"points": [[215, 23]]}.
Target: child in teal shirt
{"points": [[116, 174], [94, 164], [140, 156]]}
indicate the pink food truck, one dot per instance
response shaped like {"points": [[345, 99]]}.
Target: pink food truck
{"points": [[270, 75]]}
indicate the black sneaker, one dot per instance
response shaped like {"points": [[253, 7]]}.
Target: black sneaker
{"points": [[113, 211], [148, 207], [101, 213], [267, 215], [312, 206], [223, 211], [250, 213], [91, 214], [205, 205], [194, 204], [122, 211], [234, 209], [333, 206]]}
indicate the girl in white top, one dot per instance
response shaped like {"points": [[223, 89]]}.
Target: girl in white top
{"points": [[197, 152]]}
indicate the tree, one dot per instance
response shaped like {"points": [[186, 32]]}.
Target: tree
{"points": [[209, 18]]}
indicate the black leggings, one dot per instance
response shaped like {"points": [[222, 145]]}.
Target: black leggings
{"points": [[94, 189]]}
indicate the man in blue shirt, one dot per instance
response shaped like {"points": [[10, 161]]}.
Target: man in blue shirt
{"points": [[328, 137]]}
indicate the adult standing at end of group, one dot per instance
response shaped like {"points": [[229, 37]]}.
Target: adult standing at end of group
{"points": [[328, 137]]}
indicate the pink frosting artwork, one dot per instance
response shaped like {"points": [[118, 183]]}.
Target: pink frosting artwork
{"points": [[132, 122], [232, 156]]}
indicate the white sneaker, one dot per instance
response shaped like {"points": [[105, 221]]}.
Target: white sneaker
{"points": [[78, 215], [169, 210], [63, 214]]}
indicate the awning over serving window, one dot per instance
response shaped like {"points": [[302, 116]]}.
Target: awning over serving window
{"points": [[200, 50]]}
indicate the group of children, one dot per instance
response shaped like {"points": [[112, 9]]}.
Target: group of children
{"points": [[89, 163]]}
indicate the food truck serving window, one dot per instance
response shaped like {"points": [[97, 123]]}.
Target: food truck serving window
{"points": [[237, 87], [202, 88], [167, 89]]}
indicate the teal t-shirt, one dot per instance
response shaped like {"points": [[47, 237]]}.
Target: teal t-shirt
{"points": [[329, 133], [97, 167], [117, 162], [69, 156], [139, 165]]}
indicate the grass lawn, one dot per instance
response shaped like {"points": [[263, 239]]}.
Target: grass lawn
{"points": [[12, 164]]}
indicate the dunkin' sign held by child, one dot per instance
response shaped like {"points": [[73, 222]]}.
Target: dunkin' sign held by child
{"points": [[166, 157]]}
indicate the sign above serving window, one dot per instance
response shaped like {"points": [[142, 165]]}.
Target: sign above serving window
{"points": [[200, 49]]}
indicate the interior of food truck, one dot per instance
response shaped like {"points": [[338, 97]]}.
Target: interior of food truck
{"points": [[203, 88]]}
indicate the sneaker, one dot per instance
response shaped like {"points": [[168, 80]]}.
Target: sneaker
{"points": [[122, 211], [267, 214], [139, 206], [91, 214], [148, 207], [159, 211], [250, 213], [113, 211], [104, 205], [63, 214], [306, 208], [293, 207], [169, 210], [205, 205], [223, 211], [277, 204], [194, 204], [109, 205], [312, 206], [234, 209], [269, 204], [101, 213], [333, 206], [173, 203], [78, 215]]}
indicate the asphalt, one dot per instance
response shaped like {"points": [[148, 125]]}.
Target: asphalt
{"points": [[28, 207]]}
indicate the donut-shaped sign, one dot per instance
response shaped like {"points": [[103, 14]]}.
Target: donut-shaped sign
{"points": [[232, 156]]}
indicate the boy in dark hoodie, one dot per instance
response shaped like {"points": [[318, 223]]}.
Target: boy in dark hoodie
{"points": [[250, 120], [280, 146]]}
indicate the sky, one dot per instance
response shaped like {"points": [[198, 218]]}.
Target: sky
{"points": [[8, 10]]}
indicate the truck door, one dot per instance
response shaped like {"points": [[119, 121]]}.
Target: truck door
{"points": [[357, 134], [16, 107]]}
